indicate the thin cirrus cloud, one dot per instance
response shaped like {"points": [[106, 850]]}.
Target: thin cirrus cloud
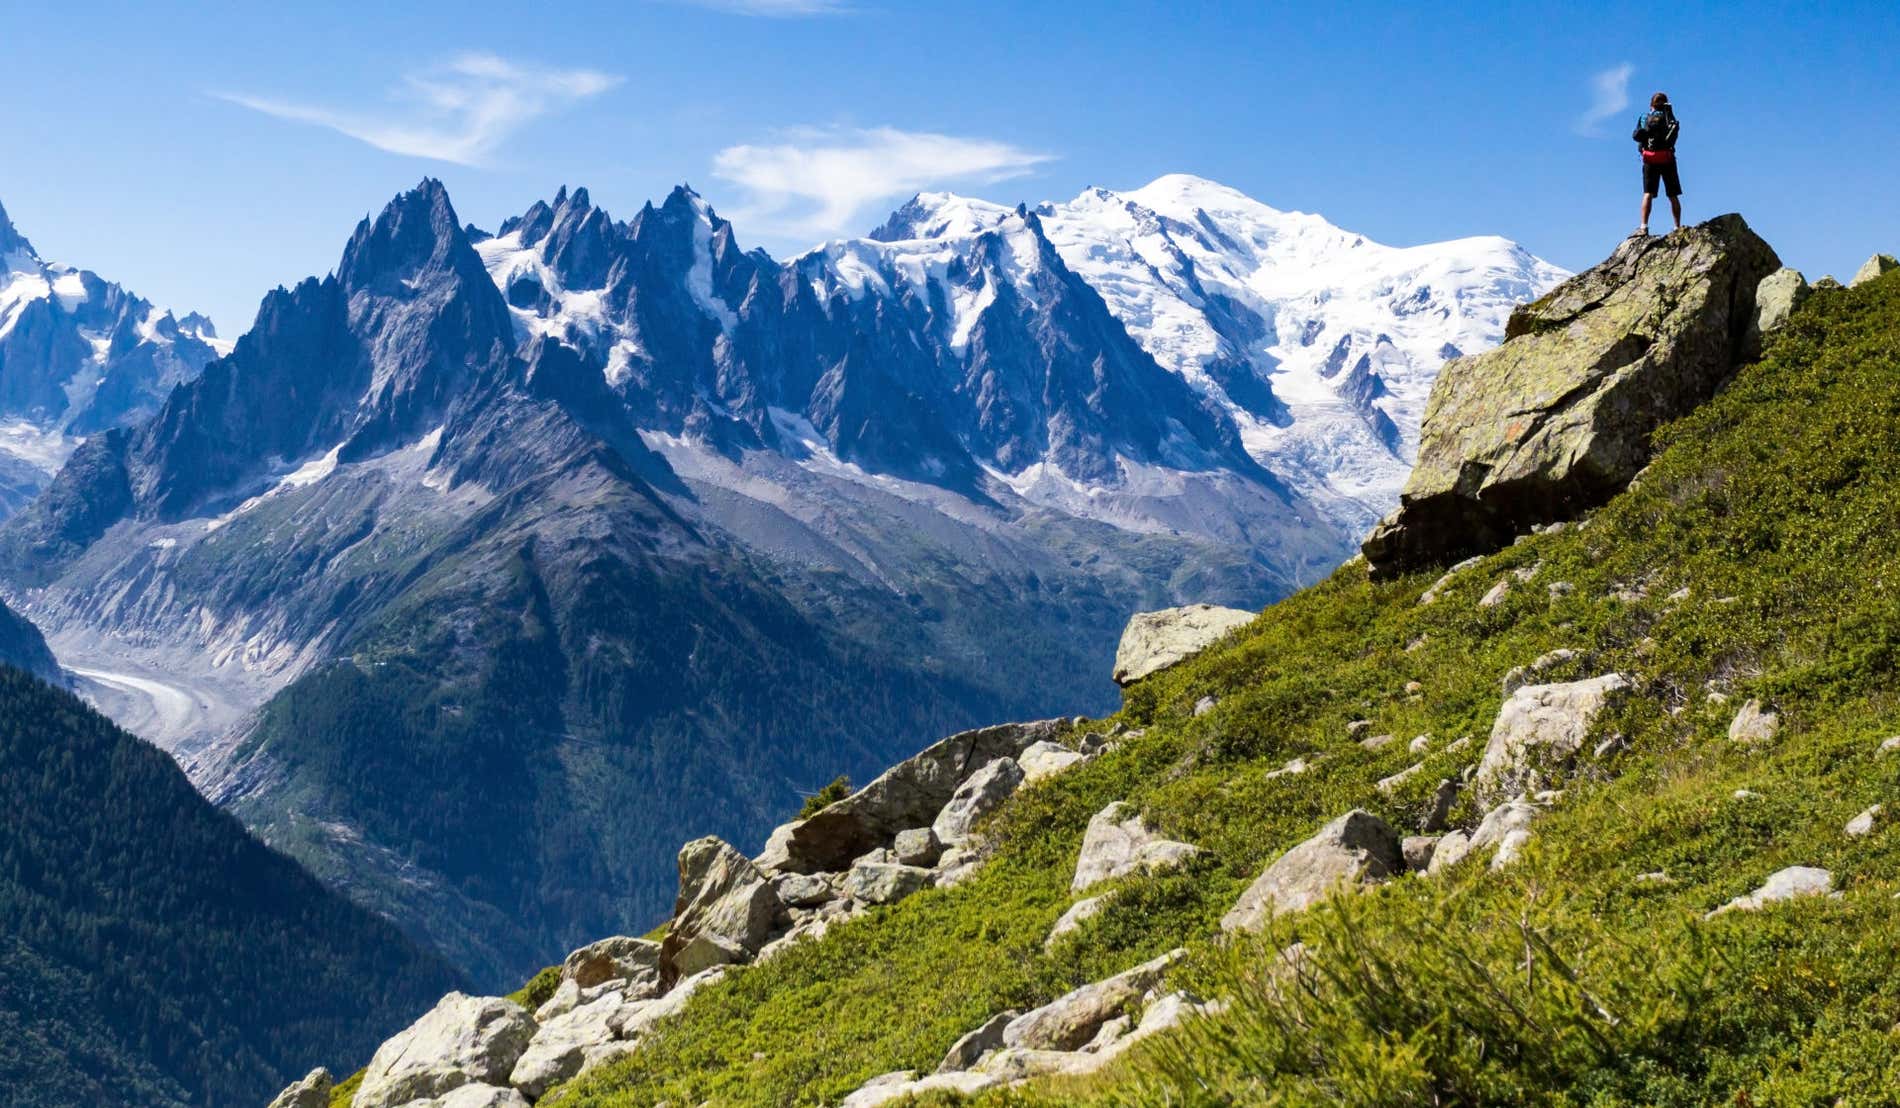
{"points": [[459, 112], [821, 182], [1609, 94]]}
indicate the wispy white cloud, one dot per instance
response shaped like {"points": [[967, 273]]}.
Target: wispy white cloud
{"points": [[823, 181], [776, 9], [461, 111], [1609, 94]]}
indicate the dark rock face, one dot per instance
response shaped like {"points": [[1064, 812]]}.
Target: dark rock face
{"points": [[1559, 418]]}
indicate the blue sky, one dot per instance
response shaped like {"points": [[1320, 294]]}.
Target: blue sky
{"points": [[202, 154]]}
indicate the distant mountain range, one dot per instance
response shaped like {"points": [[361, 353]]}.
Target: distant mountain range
{"points": [[483, 570], [78, 354]]}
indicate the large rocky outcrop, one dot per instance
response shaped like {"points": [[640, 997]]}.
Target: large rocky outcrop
{"points": [[1153, 641], [1559, 418], [724, 914], [906, 796]]}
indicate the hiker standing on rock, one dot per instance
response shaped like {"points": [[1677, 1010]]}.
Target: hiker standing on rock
{"points": [[1655, 136]]}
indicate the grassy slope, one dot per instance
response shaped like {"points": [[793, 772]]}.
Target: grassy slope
{"points": [[1778, 507]]}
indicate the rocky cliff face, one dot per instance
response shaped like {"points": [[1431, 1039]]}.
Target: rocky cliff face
{"points": [[1559, 418]]}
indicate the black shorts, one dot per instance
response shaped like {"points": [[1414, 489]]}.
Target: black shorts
{"points": [[1665, 174]]}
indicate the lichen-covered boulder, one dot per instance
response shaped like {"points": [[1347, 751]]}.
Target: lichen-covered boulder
{"points": [[725, 911], [559, 1047], [1559, 418], [1356, 850], [908, 795], [463, 1040], [1153, 641], [980, 794], [884, 882], [1539, 731]]}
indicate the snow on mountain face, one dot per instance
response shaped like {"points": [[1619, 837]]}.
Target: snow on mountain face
{"points": [[78, 354], [1320, 344]]}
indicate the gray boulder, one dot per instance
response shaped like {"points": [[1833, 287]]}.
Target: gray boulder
{"points": [[884, 882], [803, 890], [1559, 418], [909, 794], [559, 1047], [463, 1040], [724, 913], [1072, 920], [1046, 759], [1863, 824], [1153, 641], [476, 1096], [1417, 851], [1356, 850], [1754, 724], [966, 1052], [1782, 885], [1539, 731], [620, 958], [1070, 1021], [982, 793], [311, 1092], [905, 1086], [1873, 269], [918, 846], [1776, 298], [1118, 842]]}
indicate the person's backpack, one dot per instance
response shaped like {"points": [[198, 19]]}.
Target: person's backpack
{"points": [[1658, 131]]}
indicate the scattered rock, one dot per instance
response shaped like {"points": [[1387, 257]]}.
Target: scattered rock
{"points": [[621, 958], [311, 1092], [1205, 705], [1293, 768], [724, 912], [1451, 849], [1070, 1021], [632, 1020], [1420, 745], [1863, 825], [1520, 676], [1654, 877], [1560, 589], [1430, 596], [1387, 784], [918, 846], [463, 1040], [909, 794], [1118, 842], [1417, 851], [1873, 269], [1497, 594], [1153, 641], [965, 1052], [1560, 417], [1754, 724], [1358, 728], [981, 794], [1353, 851], [884, 883], [896, 1088], [1747, 794], [1539, 731], [802, 890], [1046, 759], [1890, 746], [1439, 810], [1072, 920], [1776, 298], [476, 1096], [559, 1047], [1378, 742], [1786, 884], [1506, 827]]}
